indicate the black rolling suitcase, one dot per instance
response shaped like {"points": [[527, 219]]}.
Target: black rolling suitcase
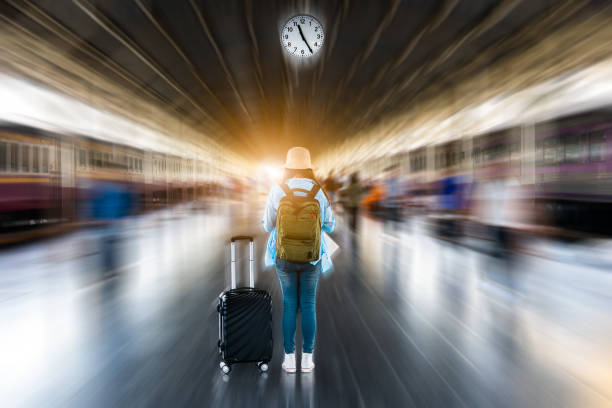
{"points": [[245, 320]]}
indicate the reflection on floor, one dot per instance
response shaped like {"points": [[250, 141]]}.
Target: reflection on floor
{"points": [[403, 320]]}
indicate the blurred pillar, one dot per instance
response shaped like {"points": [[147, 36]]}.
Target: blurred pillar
{"points": [[467, 161], [528, 154], [62, 163], [431, 162]]}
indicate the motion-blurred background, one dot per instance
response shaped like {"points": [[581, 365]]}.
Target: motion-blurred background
{"points": [[467, 146]]}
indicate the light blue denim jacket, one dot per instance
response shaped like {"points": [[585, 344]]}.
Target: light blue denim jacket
{"points": [[328, 221]]}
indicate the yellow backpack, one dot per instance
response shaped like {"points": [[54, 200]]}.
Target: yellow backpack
{"points": [[298, 225]]}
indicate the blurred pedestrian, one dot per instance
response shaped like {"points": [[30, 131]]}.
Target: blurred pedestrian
{"points": [[111, 201], [452, 204], [331, 186], [393, 194], [497, 199], [352, 200], [297, 212]]}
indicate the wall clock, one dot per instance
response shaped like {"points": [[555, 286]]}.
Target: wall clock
{"points": [[302, 36]]}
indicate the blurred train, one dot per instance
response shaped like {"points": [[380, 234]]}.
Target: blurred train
{"points": [[564, 166], [47, 178]]}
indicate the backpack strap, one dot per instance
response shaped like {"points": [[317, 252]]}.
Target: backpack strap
{"points": [[289, 193], [286, 189], [309, 193], [314, 191]]}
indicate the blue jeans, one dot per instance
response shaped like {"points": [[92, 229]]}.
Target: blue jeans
{"points": [[299, 286]]}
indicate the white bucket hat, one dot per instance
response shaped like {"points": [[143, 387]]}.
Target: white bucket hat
{"points": [[298, 158]]}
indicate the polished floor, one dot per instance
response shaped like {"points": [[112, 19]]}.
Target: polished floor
{"points": [[404, 320]]}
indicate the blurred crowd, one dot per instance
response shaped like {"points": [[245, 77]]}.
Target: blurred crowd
{"points": [[492, 206]]}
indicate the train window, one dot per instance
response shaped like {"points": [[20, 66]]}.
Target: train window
{"points": [[515, 150], [98, 159], [552, 150], [45, 159], [493, 153], [107, 160], [572, 148], [91, 159], [35, 159], [597, 146], [130, 163], [140, 165], [539, 148], [3, 160], [484, 154], [82, 158], [25, 158], [14, 157]]}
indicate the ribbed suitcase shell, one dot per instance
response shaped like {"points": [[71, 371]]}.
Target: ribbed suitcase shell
{"points": [[245, 325]]}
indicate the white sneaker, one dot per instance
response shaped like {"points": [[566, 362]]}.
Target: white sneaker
{"points": [[289, 363], [307, 364]]}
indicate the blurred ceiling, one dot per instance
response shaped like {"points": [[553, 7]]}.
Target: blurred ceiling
{"points": [[217, 66]]}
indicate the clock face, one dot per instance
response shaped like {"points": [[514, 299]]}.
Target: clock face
{"points": [[302, 36]]}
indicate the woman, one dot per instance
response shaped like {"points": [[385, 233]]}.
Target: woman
{"points": [[298, 280]]}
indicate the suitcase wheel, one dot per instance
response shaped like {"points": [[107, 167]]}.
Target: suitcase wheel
{"points": [[226, 368], [263, 366]]}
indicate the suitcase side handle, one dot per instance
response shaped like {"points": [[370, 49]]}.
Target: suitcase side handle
{"points": [[251, 260]]}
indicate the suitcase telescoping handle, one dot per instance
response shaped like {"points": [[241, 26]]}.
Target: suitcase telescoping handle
{"points": [[251, 259]]}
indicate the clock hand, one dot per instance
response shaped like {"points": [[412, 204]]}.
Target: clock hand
{"points": [[303, 38]]}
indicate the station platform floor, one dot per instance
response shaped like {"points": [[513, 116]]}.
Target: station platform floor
{"points": [[404, 320]]}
